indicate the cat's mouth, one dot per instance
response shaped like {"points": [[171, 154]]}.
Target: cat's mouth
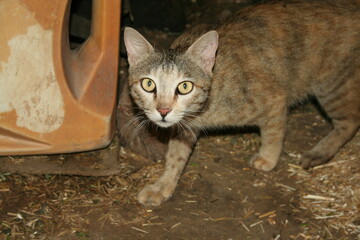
{"points": [[163, 123]]}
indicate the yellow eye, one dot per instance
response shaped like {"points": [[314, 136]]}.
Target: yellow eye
{"points": [[148, 85], [185, 87]]}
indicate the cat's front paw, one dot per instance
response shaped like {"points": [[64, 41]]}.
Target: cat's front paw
{"points": [[155, 194], [261, 163]]}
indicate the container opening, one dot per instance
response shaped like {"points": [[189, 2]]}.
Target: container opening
{"points": [[79, 22]]}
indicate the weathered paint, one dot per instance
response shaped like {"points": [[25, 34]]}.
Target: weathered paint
{"points": [[28, 83]]}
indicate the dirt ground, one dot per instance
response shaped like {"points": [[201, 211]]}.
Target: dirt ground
{"points": [[218, 197]]}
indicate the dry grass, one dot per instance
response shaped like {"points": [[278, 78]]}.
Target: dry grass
{"points": [[331, 192], [36, 207], [39, 206]]}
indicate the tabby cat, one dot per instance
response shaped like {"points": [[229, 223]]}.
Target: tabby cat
{"points": [[248, 72]]}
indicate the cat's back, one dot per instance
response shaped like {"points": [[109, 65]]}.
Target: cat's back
{"points": [[297, 23], [281, 50], [294, 46]]}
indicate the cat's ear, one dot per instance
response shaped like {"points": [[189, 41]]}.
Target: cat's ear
{"points": [[204, 49], [136, 46]]}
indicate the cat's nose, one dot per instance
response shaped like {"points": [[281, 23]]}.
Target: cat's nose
{"points": [[163, 111]]}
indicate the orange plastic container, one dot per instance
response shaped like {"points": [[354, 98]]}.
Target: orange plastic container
{"points": [[54, 99]]}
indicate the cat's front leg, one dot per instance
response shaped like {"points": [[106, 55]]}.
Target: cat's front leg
{"points": [[176, 158], [272, 129]]}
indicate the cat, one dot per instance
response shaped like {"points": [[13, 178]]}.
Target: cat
{"points": [[248, 71]]}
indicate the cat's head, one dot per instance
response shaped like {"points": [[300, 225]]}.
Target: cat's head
{"points": [[170, 86]]}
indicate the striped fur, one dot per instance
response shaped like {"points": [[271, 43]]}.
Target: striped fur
{"points": [[269, 57]]}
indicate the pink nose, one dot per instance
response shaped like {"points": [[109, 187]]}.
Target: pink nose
{"points": [[164, 111]]}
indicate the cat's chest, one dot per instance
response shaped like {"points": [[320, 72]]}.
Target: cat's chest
{"points": [[227, 108]]}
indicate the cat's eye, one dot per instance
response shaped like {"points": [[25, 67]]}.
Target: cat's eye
{"points": [[148, 85], [185, 87]]}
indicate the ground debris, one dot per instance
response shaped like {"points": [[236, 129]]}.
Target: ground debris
{"points": [[332, 191]]}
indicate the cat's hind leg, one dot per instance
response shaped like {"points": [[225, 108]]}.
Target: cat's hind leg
{"points": [[343, 107], [177, 156], [272, 130]]}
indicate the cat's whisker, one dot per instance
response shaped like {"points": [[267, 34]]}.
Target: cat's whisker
{"points": [[191, 120], [135, 131], [139, 127], [179, 127], [135, 119], [180, 124], [140, 120], [187, 128]]}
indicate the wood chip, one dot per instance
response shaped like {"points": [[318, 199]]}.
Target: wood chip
{"points": [[331, 164], [267, 214], [330, 216], [277, 237], [257, 223], [294, 166], [152, 224], [262, 228], [175, 225], [247, 229], [285, 186], [195, 214], [271, 221], [248, 214], [140, 230], [316, 197]]}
